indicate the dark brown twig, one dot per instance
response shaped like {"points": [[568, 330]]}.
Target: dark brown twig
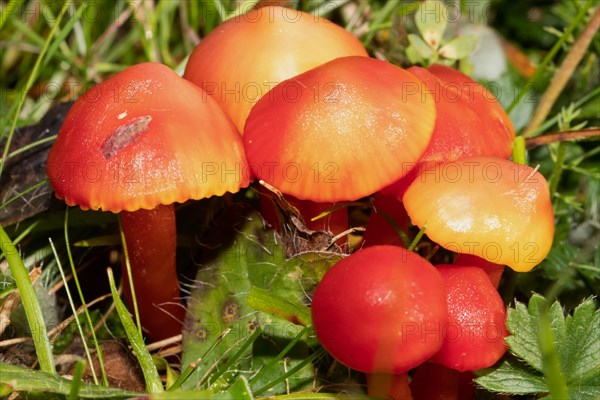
{"points": [[566, 136]]}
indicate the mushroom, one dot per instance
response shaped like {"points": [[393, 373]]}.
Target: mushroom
{"points": [[474, 336], [380, 310], [485, 206], [340, 131], [246, 56], [137, 143], [387, 221], [470, 122]]}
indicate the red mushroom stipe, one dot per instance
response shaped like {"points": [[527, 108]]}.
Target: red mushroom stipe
{"points": [[485, 206], [138, 142], [387, 222], [340, 131], [246, 56], [381, 309], [469, 122], [474, 335]]}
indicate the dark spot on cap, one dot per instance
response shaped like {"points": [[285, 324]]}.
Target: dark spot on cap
{"points": [[125, 135]]}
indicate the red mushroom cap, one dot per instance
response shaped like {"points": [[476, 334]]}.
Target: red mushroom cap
{"points": [[246, 56], [474, 336], [145, 137], [381, 309], [340, 131]]}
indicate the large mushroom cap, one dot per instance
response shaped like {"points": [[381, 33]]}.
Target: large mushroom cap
{"points": [[246, 56], [485, 206], [340, 131], [145, 137]]}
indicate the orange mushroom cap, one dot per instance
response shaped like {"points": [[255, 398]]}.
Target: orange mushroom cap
{"points": [[246, 56], [340, 131], [470, 122], [486, 206], [145, 137]]}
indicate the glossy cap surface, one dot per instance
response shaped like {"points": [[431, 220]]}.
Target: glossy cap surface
{"points": [[246, 56], [485, 206], [145, 137], [340, 131]]}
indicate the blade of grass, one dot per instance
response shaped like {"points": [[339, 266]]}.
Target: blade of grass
{"points": [[75, 313], [193, 365], [417, 238], [279, 356], [292, 371], [378, 20], [31, 81], [10, 9], [76, 381], [30, 303], [265, 301], [153, 383], [88, 319], [136, 312]]}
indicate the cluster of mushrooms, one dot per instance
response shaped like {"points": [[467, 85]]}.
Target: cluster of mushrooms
{"points": [[294, 100]]}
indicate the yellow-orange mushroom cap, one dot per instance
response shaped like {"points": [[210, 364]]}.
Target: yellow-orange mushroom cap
{"points": [[246, 56], [486, 206], [142, 138], [340, 131]]}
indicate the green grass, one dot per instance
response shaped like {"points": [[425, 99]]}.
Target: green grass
{"points": [[51, 52]]}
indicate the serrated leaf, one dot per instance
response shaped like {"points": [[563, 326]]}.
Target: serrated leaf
{"points": [[586, 387], [511, 377], [523, 341], [422, 48], [583, 329], [28, 380], [431, 21], [459, 47]]}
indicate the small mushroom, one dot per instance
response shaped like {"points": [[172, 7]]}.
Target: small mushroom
{"points": [[474, 336], [340, 131], [485, 206], [380, 310], [137, 143], [246, 56]]}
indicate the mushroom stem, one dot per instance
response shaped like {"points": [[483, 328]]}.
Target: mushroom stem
{"points": [[389, 386], [151, 244]]}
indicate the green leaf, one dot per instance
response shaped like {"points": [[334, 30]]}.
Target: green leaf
{"points": [[422, 48], [431, 20], [582, 354], [524, 340], [28, 380], [586, 387], [511, 377], [563, 352], [459, 47], [254, 259]]}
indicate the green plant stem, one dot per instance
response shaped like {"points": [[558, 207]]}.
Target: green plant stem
{"points": [[31, 80], [20, 194], [31, 305], [519, 153], [558, 168], [377, 21], [88, 318], [564, 73], [76, 381], [153, 383], [417, 238], [10, 9], [551, 364], [136, 312], [557, 46]]}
